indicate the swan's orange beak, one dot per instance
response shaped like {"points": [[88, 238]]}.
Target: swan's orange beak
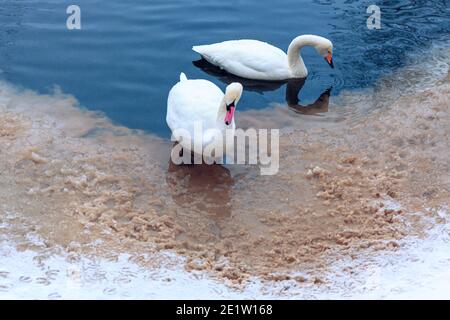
{"points": [[229, 114], [329, 59]]}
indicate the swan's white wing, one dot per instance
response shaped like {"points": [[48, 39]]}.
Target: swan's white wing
{"points": [[191, 102], [248, 59]]}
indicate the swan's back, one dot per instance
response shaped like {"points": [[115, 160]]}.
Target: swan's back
{"points": [[247, 58], [192, 101]]}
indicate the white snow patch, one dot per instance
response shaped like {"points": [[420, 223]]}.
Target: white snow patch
{"points": [[420, 269]]}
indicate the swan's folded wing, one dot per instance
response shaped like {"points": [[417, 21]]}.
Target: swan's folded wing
{"points": [[191, 102], [247, 58]]}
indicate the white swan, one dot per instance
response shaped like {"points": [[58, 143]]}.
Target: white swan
{"points": [[194, 103], [259, 60]]}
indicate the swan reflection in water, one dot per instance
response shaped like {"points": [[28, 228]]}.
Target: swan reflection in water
{"points": [[293, 88], [201, 187]]}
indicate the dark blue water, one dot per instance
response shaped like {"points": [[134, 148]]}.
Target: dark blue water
{"points": [[129, 53]]}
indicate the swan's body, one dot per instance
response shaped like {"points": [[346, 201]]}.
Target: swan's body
{"points": [[259, 60], [194, 103]]}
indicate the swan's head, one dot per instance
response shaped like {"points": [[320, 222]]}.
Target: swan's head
{"points": [[325, 48], [233, 94]]}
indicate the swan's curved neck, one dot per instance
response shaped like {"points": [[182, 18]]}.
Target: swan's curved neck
{"points": [[222, 111], [295, 60]]}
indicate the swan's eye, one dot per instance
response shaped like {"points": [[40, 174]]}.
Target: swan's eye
{"points": [[231, 105]]}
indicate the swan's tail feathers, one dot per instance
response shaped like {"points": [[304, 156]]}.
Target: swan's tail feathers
{"points": [[183, 77], [199, 49]]}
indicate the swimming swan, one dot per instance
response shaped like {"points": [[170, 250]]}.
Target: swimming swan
{"points": [[194, 103], [259, 60]]}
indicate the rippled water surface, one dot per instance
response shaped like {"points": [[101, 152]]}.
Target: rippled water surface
{"points": [[129, 53]]}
